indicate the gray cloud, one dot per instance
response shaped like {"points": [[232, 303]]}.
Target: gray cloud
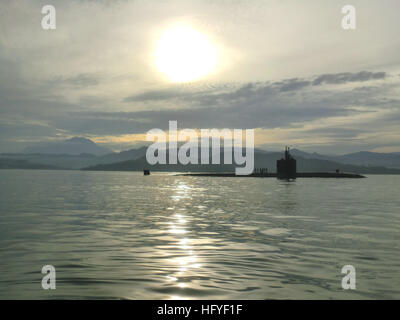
{"points": [[250, 89], [293, 84], [81, 80], [340, 78], [256, 116], [282, 104], [94, 74], [341, 133], [155, 95]]}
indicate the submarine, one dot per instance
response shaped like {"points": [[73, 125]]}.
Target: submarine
{"points": [[286, 169]]}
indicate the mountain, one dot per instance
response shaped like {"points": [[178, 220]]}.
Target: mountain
{"points": [[362, 158], [307, 155], [261, 160], [75, 161], [123, 155], [134, 159], [23, 164], [371, 159], [67, 161], [73, 146]]}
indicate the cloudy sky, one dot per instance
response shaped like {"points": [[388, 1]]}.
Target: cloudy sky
{"points": [[285, 68]]}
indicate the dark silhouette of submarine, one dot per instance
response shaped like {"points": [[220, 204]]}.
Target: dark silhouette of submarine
{"points": [[286, 169]]}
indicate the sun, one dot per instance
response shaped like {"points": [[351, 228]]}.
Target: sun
{"points": [[184, 54]]}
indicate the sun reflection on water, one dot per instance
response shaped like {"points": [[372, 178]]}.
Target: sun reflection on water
{"points": [[185, 256]]}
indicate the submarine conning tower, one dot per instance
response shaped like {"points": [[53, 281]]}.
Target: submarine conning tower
{"points": [[286, 167]]}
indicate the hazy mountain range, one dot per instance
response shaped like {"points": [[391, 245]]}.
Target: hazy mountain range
{"points": [[364, 158], [73, 146], [262, 159], [81, 153]]}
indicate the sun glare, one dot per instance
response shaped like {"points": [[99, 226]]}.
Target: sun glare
{"points": [[184, 54]]}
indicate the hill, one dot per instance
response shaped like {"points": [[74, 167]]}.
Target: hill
{"points": [[134, 160], [362, 158], [73, 146], [75, 161], [23, 164]]}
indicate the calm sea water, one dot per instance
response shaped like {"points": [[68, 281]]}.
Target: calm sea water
{"points": [[121, 235]]}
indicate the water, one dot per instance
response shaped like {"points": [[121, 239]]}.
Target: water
{"points": [[121, 235]]}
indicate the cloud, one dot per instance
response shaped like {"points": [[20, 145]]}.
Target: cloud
{"points": [[94, 74], [289, 103], [293, 84], [81, 80], [159, 95], [340, 78], [253, 105], [256, 116], [248, 90], [339, 132]]}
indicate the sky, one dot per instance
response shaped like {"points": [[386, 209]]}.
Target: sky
{"points": [[284, 68]]}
